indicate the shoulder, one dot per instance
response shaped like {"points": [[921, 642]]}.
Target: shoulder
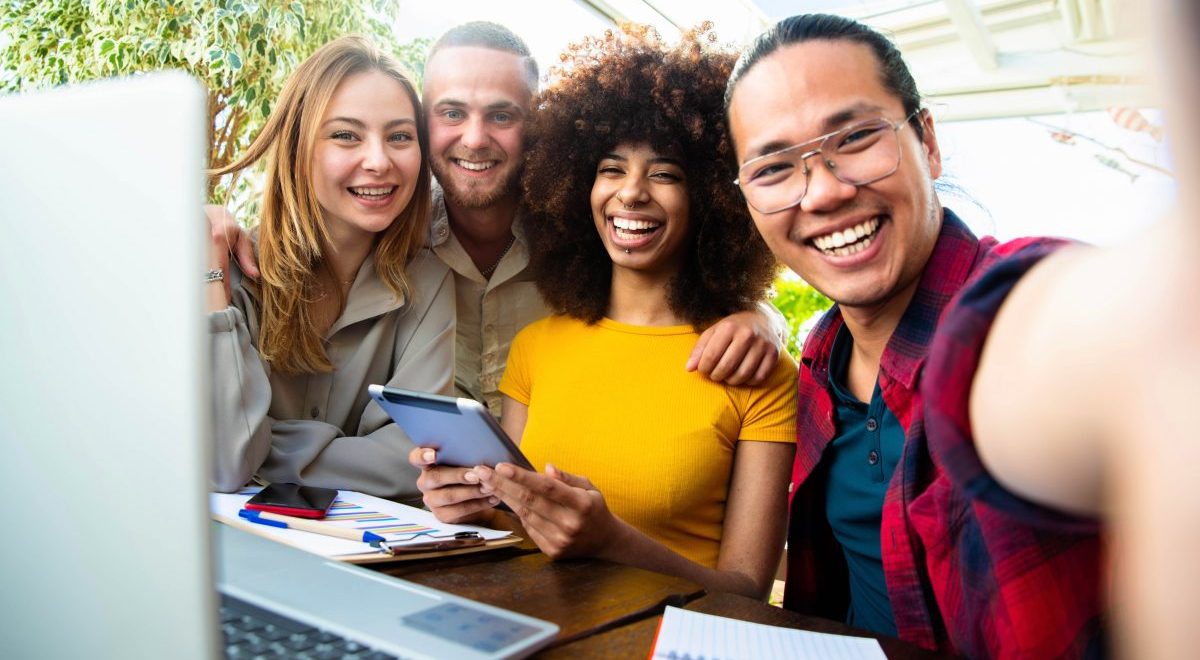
{"points": [[557, 328]]}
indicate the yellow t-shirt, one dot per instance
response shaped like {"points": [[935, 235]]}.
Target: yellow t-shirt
{"points": [[613, 402]]}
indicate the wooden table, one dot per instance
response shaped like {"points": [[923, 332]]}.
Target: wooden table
{"points": [[604, 610]]}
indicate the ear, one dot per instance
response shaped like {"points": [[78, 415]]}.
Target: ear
{"points": [[933, 153]]}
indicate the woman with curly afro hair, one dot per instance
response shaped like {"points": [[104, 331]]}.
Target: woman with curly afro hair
{"points": [[639, 241]]}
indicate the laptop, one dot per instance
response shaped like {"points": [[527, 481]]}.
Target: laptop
{"points": [[107, 549]]}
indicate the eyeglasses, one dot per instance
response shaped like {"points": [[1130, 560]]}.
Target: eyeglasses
{"points": [[858, 154]]}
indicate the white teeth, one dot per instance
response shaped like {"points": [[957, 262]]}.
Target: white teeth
{"points": [[848, 241], [630, 224], [476, 167], [373, 192]]}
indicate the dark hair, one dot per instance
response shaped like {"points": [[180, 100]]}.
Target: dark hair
{"points": [[485, 34], [628, 88], [893, 71]]}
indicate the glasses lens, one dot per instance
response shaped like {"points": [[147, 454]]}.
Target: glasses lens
{"points": [[860, 154], [864, 153]]}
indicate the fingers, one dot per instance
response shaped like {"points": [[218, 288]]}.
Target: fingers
{"points": [[736, 345], [422, 457], [453, 494], [244, 251], [710, 349], [765, 367], [229, 237], [577, 481], [529, 493], [693, 360]]}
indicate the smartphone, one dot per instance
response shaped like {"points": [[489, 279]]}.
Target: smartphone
{"points": [[294, 500]]}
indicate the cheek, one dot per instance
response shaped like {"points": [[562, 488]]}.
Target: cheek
{"points": [[511, 142], [409, 163], [439, 138]]}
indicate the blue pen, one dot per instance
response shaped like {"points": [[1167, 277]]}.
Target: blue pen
{"points": [[288, 522]]}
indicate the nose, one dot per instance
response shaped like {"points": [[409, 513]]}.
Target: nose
{"points": [[474, 135], [825, 191], [375, 157], [632, 191]]}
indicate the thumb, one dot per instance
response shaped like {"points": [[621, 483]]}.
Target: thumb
{"points": [[569, 479]]}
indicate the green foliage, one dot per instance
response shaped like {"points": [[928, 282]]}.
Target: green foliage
{"points": [[242, 49], [799, 304]]}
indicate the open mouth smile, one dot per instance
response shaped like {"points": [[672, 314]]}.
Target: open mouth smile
{"points": [[848, 241], [372, 193], [474, 166], [629, 233]]}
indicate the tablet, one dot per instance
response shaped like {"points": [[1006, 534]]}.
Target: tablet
{"points": [[461, 430]]}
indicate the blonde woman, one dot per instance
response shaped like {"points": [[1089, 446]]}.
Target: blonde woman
{"points": [[348, 294]]}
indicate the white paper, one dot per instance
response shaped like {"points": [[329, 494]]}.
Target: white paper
{"points": [[696, 636], [398, 523]]}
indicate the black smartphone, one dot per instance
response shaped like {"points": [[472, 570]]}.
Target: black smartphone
{"points": [[294, 500]]}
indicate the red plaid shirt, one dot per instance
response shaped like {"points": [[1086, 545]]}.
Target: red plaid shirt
{"points": [[969, 566]]}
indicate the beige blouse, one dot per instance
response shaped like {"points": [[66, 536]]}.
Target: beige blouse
{"points": [[324, 429]]}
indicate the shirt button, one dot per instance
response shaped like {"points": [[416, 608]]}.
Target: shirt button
{"points": [[315, 412], [442, 232], [872, 457], [872, 424]]}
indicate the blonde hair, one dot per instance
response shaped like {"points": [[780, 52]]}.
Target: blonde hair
{"points": [[291, 225]]}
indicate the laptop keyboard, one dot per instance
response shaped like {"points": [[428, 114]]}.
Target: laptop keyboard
{"points": [[252, 632]]}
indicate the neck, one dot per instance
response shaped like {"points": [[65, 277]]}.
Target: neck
{"points": [[345, 255], [483, 232], [638, 298], [872, 328]]}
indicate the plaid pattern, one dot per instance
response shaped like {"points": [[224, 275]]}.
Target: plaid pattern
{"points": [[970, 567]]}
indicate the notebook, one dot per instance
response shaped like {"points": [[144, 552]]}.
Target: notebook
{"points": [[104, 416]]}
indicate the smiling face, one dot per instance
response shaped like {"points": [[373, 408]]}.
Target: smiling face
{"points": [[478, 100], [860, 245], [640, 207], [366, 158]]}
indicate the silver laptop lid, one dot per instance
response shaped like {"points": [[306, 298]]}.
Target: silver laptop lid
{"points": [[103, 415]]}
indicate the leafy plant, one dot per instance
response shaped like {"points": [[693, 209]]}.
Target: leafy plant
{"points": [[800, 305], [243, 50]]}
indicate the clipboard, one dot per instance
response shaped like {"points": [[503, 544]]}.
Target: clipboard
{"points": [[373, 556], [368, 513]]}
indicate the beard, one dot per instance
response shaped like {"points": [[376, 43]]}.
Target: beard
{"points": [[464, 194]]}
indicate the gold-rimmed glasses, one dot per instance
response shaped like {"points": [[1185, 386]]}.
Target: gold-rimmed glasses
{"points": [[861, 153]]}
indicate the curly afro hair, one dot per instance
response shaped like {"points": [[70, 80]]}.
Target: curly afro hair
{"points": [[630, 87]]}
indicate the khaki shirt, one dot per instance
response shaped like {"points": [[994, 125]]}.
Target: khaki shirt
{"points": [[490, 312]]}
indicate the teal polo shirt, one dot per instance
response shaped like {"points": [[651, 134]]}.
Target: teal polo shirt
{"points": [[861, 458]]}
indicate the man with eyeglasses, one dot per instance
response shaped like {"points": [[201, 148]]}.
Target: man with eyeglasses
{"points": [[905, 520]]}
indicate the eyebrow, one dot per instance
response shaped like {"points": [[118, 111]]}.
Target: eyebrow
{"points": [[358, 123], [828, 125], [491, 107], [658, 160]]}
